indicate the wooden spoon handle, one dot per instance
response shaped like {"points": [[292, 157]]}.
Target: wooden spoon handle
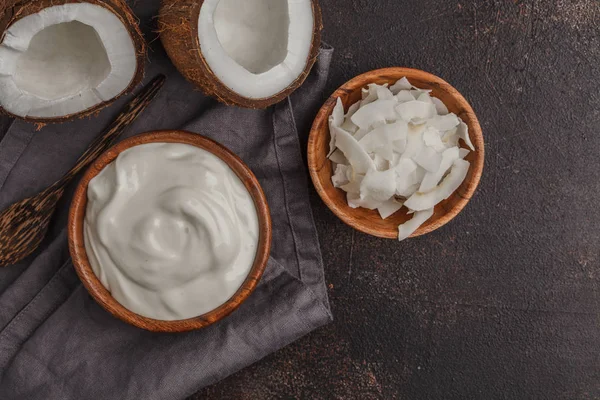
{"points": [[129, 113]]}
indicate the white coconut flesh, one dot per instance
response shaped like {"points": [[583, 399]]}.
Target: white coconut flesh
{"points": [[257, 48], [64, 60], [398, 146]]}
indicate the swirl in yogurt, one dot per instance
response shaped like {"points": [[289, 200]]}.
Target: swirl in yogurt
{"points": [[170, 230]]}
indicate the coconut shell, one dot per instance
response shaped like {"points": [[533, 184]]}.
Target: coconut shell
{"points": [[13, 10], [178, 27]]}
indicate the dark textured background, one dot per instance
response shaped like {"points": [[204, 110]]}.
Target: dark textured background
{"points": [[504, 302]]}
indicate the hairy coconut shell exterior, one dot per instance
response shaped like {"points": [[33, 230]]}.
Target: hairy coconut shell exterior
{"points": [[178, 26], [13, 10]]}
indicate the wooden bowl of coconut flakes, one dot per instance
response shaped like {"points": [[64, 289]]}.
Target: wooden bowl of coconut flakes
{"points": [[370, 221]]}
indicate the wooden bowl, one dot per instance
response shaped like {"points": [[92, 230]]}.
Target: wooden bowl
{"points": [[369, 221], [103, 296]]}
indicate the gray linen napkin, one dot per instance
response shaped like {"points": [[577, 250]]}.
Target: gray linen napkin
{"points": [[57, 343]]}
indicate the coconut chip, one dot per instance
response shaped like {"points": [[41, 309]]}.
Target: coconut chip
{"points": [[373, 92], [424, 97], [422, 201], [384, 137], [440, 106], [431, 138], [414, 141], [341, 175], [429, 159], [378, 111], [450, 138], [348, 125], [462, 153], [338, 157], [416, 112], [403, 96], [381, 163], [384, 93], [355, 179], [354, 201], [335, 120], [444, 123], [389, 207], [463, 133], [378, 185], [337, 116], [432, 179], [410, 226], [398, 147], [402, 85], [356, 155]]}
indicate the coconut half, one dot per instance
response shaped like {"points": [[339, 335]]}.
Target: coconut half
{"points": [[250, 53], [61, 59]]}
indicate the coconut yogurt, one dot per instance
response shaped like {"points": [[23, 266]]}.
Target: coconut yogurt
{"points": [[170, 230]]}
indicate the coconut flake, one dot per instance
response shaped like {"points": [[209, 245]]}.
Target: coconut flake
{"points": [[431, 179], [335, 120], [356, 155], [431, 138], [386, 154], [403, 96], [444, 123], [450, 138], [360, 134], [382, 163], [352, 186], [422, 201], [416, 89], [463, 133], [406, 175], [340, 177], [354, 201], [388, 208], [378, 185], [383, 93], [425, 98], [440, 106], [337, 116], [414, 141], [369, 94], [401, 84], [399, 147], [410, 226], [429, 159], [415, 111], [405, 193], [462, 153], [352, 109], [378, 111], [384, 136], [338, 157], [348, 125]]}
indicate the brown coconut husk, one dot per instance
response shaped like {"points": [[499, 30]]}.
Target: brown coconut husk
{"points": [[178, 27], [13, 10]]}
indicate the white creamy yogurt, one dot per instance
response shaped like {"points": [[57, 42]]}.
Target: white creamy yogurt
{"points": [[170, 230]]}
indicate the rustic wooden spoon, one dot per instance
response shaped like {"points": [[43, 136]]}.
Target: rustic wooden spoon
{"points": [[23, 225]]}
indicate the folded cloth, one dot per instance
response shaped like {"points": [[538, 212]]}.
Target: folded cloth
{"points": [[56, 342]]}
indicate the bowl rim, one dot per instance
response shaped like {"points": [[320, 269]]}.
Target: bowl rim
{"points": [[360, 81], [96, 288]]}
